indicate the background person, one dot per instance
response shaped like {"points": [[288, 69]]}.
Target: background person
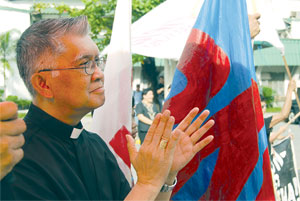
{"points": [[145, 111], [137, 94], [271, 121], [161, 90], [254, 24]]}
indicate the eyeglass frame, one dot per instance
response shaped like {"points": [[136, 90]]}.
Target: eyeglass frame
{"points": [[100, 63]]}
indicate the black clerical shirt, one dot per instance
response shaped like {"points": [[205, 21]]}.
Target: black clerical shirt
{"points": [[65, 163]]}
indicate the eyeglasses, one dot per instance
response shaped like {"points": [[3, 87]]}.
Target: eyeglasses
{"points": [[89, 66]]}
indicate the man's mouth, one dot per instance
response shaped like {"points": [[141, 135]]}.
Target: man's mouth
{"points": [[98, 90]]}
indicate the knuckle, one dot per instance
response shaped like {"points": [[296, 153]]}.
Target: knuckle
{"points": [[19, 155], [21, 140]]}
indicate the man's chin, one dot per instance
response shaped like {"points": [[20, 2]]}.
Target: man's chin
{"points": [[99, 104]]}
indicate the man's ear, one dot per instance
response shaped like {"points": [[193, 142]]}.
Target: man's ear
{"points": [[41, 85]]}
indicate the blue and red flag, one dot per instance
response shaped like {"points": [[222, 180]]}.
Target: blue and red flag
{"points": [[216, 72]]}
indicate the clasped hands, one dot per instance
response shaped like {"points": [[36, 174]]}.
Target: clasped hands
{"points": [[165, 152]]}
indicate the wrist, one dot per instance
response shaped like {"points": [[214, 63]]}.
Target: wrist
{"points": [[153, 188], [166, 188], [171, 178]]}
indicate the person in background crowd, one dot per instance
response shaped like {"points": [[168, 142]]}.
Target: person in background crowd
{"points": [[271, 121], [145, 111], [254, 24], [134, 130], [137, 94], [161, 91]]}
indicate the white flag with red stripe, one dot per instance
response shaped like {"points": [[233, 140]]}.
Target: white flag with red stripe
{"points": [[112, 121]]}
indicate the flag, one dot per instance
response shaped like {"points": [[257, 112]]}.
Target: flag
{"points": [[216, 72], [112, 121], [162, 32]]}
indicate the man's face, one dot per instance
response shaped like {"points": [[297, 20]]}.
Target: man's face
{"points": [[264, 106], [161, 80], [149, 96], [74, 89]]}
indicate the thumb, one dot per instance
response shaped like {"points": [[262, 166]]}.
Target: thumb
{"points": [[131, 148]]}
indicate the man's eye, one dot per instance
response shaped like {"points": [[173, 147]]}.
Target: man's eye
{"points": [[84, 63]]}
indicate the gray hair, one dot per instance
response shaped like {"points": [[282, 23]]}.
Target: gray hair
{"points": [[42, 39]]}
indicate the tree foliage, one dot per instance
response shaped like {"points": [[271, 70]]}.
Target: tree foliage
{"points": [[100, 16], [7, 47], [268, 94]]}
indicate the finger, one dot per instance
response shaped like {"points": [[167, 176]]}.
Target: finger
{"points": [[197, 123], [168, 130], [9, 110], [200, 132], [184, 124], [16, 142], [256, 15], [10, 161], [161, 128], [131, 148], [17, 155], [173, 141], [151, 130], [12, 127], [11, 158], [200, 145], [6, 162], [3, 147]]}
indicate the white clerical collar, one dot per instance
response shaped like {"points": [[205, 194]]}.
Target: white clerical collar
{"points": [[76, 133]]}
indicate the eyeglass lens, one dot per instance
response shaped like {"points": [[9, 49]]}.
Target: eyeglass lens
{"points": [[90, 67]]}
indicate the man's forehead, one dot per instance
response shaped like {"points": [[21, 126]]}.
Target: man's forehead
{"points": [[80, 47]]}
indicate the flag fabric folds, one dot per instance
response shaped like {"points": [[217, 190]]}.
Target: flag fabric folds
{"points": [[112, 121], [163, 31], [216, 72]]}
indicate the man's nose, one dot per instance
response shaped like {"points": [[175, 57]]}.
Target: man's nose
{"points": [[98, 74]]}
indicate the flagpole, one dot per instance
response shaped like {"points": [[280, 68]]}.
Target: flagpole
{"points": [[290, 78], [284, 60]]}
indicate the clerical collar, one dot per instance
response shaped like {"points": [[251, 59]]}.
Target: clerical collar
{"points": [[52, 125]]}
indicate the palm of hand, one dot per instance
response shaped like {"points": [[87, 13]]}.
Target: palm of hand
{"points": [[183, 153], [189, 144]]}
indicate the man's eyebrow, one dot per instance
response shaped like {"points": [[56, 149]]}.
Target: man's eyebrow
{"points": [[87, 56]]}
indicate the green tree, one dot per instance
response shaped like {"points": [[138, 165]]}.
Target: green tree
{"points": [[100, 15], [7, 47], [268, 94]]}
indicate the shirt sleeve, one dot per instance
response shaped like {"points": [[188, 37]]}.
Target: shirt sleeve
{"points": [[114, 178], [267, 125], [139, 109]]}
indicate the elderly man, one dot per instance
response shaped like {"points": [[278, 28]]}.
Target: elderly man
{"points": [[60, 66]]}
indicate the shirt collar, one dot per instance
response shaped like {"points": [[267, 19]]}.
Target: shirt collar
{"points": [[39, 117]]}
